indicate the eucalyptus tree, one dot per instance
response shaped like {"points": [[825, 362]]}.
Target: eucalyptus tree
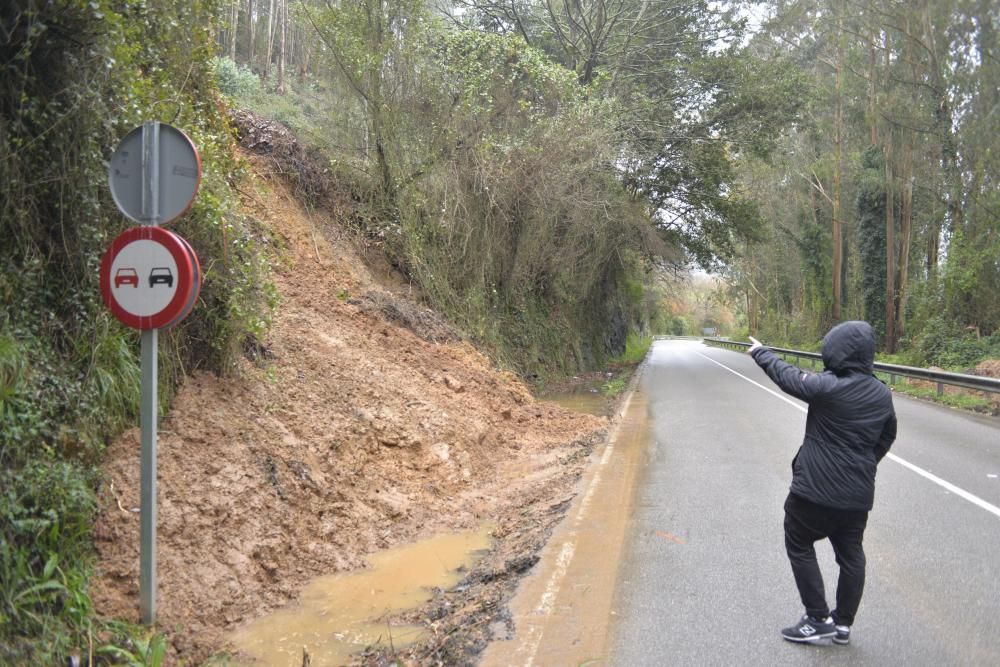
{"points": [[915, 83], [971, 160], [367, 44]]}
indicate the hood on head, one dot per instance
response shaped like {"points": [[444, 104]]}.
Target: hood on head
{"points": [[849, 346]]}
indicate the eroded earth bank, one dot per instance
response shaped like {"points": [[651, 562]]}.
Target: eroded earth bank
{"points": [[361, 422]]}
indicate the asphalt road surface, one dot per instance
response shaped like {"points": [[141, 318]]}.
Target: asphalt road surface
{"points": [[704, 578]]}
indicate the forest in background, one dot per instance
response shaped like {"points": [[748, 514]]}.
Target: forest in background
{"points": [[882, 203], [544, 174], [833, 161]]}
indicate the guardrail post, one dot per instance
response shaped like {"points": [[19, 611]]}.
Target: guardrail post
{"points": [[940, 388]]}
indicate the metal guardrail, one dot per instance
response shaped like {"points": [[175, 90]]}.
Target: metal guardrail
{"points": [[941, 378]]}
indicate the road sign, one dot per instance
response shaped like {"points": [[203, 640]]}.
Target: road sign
{"points": [[150, 278], [154, 174]]}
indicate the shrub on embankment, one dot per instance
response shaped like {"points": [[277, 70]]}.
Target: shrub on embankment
{"points": [[517, 227], [488, 177], [75, 76]]}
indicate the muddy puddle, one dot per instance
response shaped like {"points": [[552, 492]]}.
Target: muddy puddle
{"points": [[339, 615], [587, 398]]}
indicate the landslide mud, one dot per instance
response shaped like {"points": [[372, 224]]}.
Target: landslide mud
{"points": [[351, 432]]}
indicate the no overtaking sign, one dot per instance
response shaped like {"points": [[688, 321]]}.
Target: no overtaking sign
{"points": [[150, 278]]}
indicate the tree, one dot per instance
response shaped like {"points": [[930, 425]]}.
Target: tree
{"points": [[266, 70], [283, 31], [251, 32], [367, 44], [872, 238], [838, 142], [692, 102], [916, 81]]}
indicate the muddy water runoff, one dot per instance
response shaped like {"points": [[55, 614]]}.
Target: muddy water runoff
{"points": [[589, 399], [339, 615]]}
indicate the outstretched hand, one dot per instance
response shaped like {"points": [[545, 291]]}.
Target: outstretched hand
{"points": [[756, 345]]}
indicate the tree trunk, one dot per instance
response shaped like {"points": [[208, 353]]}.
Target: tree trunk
{"points": [[379, 33], [266, 71], [838, 143], [234, 24], [905, 198], [905, 231], [872, 93], [944, 127], [890, 251], [304, 65], [283, 27], [252, 23]]}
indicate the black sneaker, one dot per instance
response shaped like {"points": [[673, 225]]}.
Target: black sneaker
{"points": [[843, 636], [809, 630]]}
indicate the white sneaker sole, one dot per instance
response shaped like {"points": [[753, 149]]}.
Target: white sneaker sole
{"points": [[806, 640]]}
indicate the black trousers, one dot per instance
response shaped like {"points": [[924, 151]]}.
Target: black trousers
{"points": [[805, 524]]}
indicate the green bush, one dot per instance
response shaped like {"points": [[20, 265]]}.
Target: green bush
{"points": [[942, 343], [237, 81], [522, 235], [636, 347], [46, 510]]}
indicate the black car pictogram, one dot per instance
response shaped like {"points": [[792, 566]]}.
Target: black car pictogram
{"points": [[161, 274]]}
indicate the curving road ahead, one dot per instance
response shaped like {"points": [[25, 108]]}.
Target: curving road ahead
{"points": [[704, 579]]}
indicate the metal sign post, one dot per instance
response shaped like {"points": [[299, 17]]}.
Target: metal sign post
{"points": [[150, 278], [149, 360], [147, 508]]}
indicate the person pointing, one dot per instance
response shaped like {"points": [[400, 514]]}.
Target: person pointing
{"points": [[851, 425]]}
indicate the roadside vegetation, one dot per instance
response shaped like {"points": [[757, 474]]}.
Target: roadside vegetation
{"points": [[75, 77], [530, 184]]}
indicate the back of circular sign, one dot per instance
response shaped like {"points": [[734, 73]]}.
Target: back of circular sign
{"points": [[177, 174]]}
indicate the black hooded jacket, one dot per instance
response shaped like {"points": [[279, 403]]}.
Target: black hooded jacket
{"points": [[851, 422]]}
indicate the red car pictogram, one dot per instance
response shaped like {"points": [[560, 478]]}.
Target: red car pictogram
{"points": [[126, 276]]}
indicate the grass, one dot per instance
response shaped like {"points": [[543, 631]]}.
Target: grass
{"points": [[963, 401], [636, 347], [616, 385]]}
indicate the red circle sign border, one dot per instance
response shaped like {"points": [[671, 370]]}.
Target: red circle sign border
{"points": [[185, 279], [195, 288], [197, 183]]}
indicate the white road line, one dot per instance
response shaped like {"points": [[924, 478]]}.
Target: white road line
{"points": [[961, 493], [770, 391]]}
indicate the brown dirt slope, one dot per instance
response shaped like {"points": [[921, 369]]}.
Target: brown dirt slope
{"points": [[357, 432]]}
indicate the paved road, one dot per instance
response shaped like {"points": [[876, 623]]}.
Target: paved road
{"points": [[705, 580]]}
